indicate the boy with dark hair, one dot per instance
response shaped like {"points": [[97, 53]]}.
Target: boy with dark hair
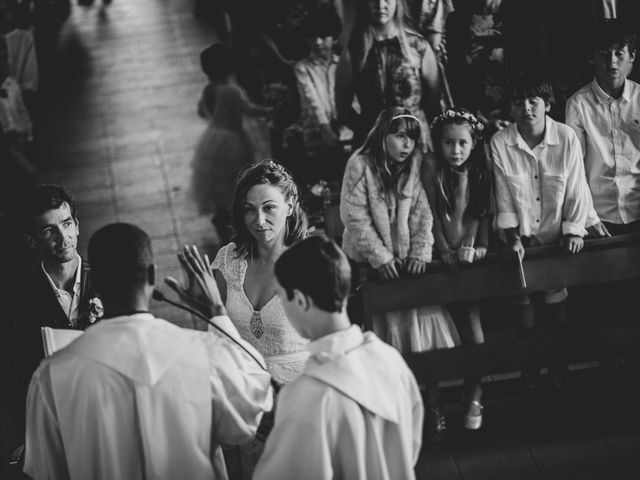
{"points": [[541, 192], [605, 115], [355, 411], [57, 293]]}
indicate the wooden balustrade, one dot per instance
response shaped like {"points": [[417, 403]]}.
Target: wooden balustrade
{"points": [[602, 260]]}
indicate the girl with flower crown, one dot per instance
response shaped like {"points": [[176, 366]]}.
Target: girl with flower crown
{"points": [[387, 219], [457, 182]]}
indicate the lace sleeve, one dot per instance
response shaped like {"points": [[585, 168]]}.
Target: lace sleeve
{"points": [[221, 262]]}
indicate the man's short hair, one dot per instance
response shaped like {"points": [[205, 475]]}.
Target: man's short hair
{"points": [[322, 22], [119, 254], [527, 85], [318, 268], [610, 33], [43, 198]]}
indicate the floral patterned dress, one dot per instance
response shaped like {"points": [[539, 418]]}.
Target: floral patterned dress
{"points": [[389, 79], [485, 59]]}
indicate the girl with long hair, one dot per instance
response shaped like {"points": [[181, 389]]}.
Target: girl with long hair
{"points": [[388, 221], [457, 182]]}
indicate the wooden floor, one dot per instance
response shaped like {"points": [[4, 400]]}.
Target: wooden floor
{"points": [[587, 430], [121, 125]]}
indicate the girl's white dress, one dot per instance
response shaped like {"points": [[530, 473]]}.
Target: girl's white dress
{"points": [[380, 227]]}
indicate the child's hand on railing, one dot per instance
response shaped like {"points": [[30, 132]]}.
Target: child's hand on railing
{"points": [[573, 243], [481, 252], [389, 271], [415, 267], [450, 258], [598, 230]]}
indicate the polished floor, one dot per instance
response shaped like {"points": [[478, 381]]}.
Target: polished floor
{"points": [[120, 122], [118, 130]]}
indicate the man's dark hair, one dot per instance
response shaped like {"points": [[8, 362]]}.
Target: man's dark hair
{"points": [[43, 198], [322, 22], [611, 33], [318, 268], [119, 254], [527, 85]]}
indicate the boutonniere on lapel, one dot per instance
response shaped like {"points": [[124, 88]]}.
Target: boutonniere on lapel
{"points": [[96, 310]]}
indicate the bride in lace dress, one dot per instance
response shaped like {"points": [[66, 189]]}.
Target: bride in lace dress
{"points": [[266, 219]]}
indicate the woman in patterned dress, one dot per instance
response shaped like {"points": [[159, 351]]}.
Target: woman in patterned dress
{"points": [[267, 218], [389, 64]]}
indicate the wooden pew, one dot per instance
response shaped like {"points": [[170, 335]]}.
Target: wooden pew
{"points": [[602, 260]]}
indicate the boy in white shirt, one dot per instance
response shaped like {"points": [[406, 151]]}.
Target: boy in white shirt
{"points": [[542, 196], [606, 116], [355, 411]]}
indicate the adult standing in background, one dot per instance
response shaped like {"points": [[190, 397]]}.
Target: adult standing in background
{"points": [[489, 41], [387, 64]]}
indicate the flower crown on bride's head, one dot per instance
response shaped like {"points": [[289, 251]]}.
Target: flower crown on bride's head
{"points": [[459, 115]]}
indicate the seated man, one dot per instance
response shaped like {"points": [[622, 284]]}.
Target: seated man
{"points": [[136, 396], [606, 116], [355, 411]]}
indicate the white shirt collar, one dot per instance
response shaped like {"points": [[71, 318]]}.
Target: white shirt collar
{"points": [[336, 344], [77, 283], [550, 135], [604, 97]]}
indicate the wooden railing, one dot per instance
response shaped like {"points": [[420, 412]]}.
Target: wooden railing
{"points": [[547, 267]]}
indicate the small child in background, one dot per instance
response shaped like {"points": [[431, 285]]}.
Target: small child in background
{"points": [[225, 147], [456, 179], [23, 64], [542, 196], [388, 222], [15, 123], [316, 77]]}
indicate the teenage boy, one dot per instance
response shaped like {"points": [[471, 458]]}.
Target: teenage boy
{"points": [[355, 411], [542, 196], [606, 116]]}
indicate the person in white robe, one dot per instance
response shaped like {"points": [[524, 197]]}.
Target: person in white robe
{"points": [[137, 397], [355, 411]]}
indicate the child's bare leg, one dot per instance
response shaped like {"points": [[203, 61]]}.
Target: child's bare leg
{"points": [[467, 318], [436, 423]]}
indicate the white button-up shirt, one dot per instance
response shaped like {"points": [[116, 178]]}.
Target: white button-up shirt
{"points": [[609, 132], [543, 190], [68, 302]]}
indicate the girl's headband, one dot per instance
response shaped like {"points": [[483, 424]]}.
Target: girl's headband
{"points": [[461, 115], [405, 115]]}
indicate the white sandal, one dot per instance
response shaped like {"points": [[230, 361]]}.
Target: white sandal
{"points": [[473, 422]]}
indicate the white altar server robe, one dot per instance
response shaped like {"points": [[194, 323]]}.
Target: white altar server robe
{"points": [[136, 397], [355, 413]]}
